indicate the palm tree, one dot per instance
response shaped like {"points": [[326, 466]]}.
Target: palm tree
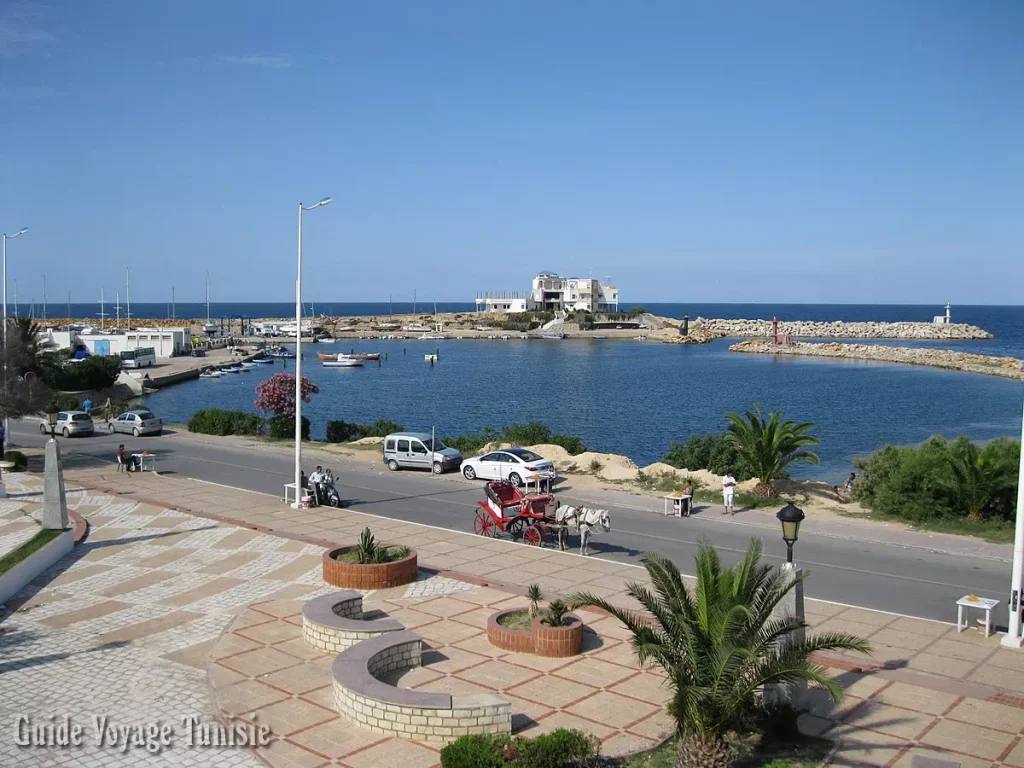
{"points": [[975, 481], [768, 445], [721, 643], [24, 345]]}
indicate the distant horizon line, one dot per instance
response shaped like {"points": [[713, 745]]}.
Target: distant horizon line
{"points": [[623, 306]]}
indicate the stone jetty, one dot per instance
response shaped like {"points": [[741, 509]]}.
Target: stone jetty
{"points": [[1007, 367], [843, 330]]}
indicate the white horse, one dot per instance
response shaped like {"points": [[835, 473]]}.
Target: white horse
{"points": [[585, 519]]}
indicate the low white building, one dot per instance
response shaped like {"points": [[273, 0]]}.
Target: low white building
{"points": [[553, 293], [166, 342]]}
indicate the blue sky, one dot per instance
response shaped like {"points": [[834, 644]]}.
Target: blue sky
{"points": [[793, 151]]}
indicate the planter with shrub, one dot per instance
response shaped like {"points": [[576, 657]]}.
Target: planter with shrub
{"points": [[369, 565], [561, 747], [17, 458], [552, 632]]}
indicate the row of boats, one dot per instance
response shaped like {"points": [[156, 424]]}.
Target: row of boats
{"points": [[216, 373]]}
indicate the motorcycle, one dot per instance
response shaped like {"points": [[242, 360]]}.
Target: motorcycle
{"points": [[328, 495]]}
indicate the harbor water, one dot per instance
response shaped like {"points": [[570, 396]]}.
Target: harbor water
{"points": [[635, 398]]}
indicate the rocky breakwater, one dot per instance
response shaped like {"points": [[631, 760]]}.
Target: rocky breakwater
{"points": [[842, 330], [1007, 367]]}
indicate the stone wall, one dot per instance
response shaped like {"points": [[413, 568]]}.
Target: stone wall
{"points": [[842, 330], [1006, 367], [410, 713], [335, 622]]}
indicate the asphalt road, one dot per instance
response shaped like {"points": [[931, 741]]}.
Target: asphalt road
{"points": [[908, 580]]}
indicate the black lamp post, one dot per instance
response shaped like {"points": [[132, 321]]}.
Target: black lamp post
{"points": [[790, 516], [51, 419]]}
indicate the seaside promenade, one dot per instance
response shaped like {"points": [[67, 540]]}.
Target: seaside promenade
{"points": [[200, 587]]}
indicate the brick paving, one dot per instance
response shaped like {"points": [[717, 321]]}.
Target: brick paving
{"points": [[163, 612]]}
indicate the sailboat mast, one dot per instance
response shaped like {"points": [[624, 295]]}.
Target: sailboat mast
{"points": [[174, 308], [103, 311], [44, 297], [15, 298], [127, 300], [207, 298], [117, 300], [69, 306]]}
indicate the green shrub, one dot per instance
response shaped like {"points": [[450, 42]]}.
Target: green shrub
{"points": [[532, 433], [283, 427], [18, 458], [596, 466], [92, 373], [341, 431], [916, 483], [559, 748], [472, 444], [476, 751], [380, 428], [62, 401], [715, 453], [573, 445], [216, 421]]}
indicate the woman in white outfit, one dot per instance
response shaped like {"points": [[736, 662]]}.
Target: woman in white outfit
{"points": [[728, 491]]}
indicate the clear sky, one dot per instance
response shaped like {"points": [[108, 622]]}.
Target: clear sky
{"points": [[838, 151]]}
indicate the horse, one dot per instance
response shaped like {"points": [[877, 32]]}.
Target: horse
{"points": [[585, 520]]}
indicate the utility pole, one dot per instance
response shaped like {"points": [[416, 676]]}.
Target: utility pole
{"points": [[44, 297], [117, 300], [1013, 637], [174, 309]]}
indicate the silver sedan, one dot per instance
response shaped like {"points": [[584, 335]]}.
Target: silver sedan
{"points": [[137, 423]]}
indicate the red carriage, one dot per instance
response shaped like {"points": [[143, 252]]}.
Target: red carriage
{"points": [[511, 510]]}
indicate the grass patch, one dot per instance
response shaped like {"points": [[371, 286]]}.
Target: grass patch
{"points": [[742, 500], [808, 752], [994, 531], [391, 554], [37, 542], [515, 620]]}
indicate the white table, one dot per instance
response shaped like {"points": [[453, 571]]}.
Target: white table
{"points": [[982, 603], [289, 493], [145, 461], [677, 500]]}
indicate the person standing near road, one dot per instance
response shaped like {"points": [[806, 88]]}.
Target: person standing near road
{"points": [[3, 440], [108, 411], [87, 406], [728, 492]]}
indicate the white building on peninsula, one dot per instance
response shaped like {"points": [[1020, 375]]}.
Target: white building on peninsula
{"points": [[553, 293]]}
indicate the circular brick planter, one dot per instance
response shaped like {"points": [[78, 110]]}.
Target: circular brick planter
{"points": [[540, 640], [558, 641], [518, 640], [369, 575]]}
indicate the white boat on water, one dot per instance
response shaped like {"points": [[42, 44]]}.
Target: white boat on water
{"points": [[430, 357], [210, 374], [232, 369], [342, 361], [264, 361], [247, 365]]}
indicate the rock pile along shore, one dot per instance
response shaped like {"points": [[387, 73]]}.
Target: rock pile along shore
{"points": [[1007, 367], [843, 330]]}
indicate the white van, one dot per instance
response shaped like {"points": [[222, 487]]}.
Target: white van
{"points": [[417, 450]]}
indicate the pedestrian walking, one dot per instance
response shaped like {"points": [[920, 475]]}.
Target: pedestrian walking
{"points": [[108, 411], [728, 492], [87, 406]]}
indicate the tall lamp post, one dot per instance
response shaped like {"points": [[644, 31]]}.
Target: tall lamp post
{"points": [[6, 237], [298, 357], [791, 606], [1013, 637]]}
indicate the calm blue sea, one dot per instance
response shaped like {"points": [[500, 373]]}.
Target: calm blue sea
{"points": [[636, 398]]}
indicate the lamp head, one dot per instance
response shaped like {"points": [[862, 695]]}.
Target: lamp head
{"points": [[51, 414], [790, 516], [325, 201]]}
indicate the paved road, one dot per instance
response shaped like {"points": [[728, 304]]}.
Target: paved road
{"points": [[909, 580]]}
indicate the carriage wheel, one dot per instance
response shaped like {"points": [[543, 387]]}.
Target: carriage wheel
{"points": [[514, 527], [483, 525], [534, 535]]}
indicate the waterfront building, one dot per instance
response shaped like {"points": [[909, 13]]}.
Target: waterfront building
{"points": [[551, 292], [166, 342]]}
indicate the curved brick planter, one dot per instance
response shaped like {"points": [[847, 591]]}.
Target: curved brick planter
{"points": [[540, 640], [363, 698], [558, 641], [370, 575], [519, 640], [335, 621]]}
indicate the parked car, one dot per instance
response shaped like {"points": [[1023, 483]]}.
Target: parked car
{"points": [[512, 464], [137, 423], [70, 423], [417, 450]]}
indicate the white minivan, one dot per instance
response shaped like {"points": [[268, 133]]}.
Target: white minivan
{"points": [[417, 450]]}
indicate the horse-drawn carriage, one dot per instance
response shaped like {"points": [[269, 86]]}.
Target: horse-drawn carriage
{"points": [[534, 515]]}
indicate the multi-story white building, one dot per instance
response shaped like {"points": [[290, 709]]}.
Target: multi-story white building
{"points": [[553, 293]]}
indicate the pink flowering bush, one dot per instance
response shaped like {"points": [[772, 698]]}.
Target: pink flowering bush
{"points": [[276, 395]]}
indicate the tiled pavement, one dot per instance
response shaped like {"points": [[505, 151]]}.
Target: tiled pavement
{"points": [[153, 588]]}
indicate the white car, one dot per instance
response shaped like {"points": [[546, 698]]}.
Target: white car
{"points": [[513, 464]]}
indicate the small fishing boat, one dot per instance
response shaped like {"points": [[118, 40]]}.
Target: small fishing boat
{"points": [[280, 352], [232, 369], [247, 366], [386, 326], [324, 357], [264, 360], [210, 374], [365, 355], [550, 335], [343, 361], [600, 337], [430, 357]]}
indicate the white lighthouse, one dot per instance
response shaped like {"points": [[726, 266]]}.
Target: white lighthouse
{"points": [[945, 319]]}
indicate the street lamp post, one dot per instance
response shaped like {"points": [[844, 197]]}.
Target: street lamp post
{"points": [[51, 419], [298, 357], [1013, 637], [790, 516], [6, 237]]}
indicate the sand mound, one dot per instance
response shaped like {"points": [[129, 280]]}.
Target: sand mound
{"points": [[613, 466], [554, 453], [367, 441]]}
